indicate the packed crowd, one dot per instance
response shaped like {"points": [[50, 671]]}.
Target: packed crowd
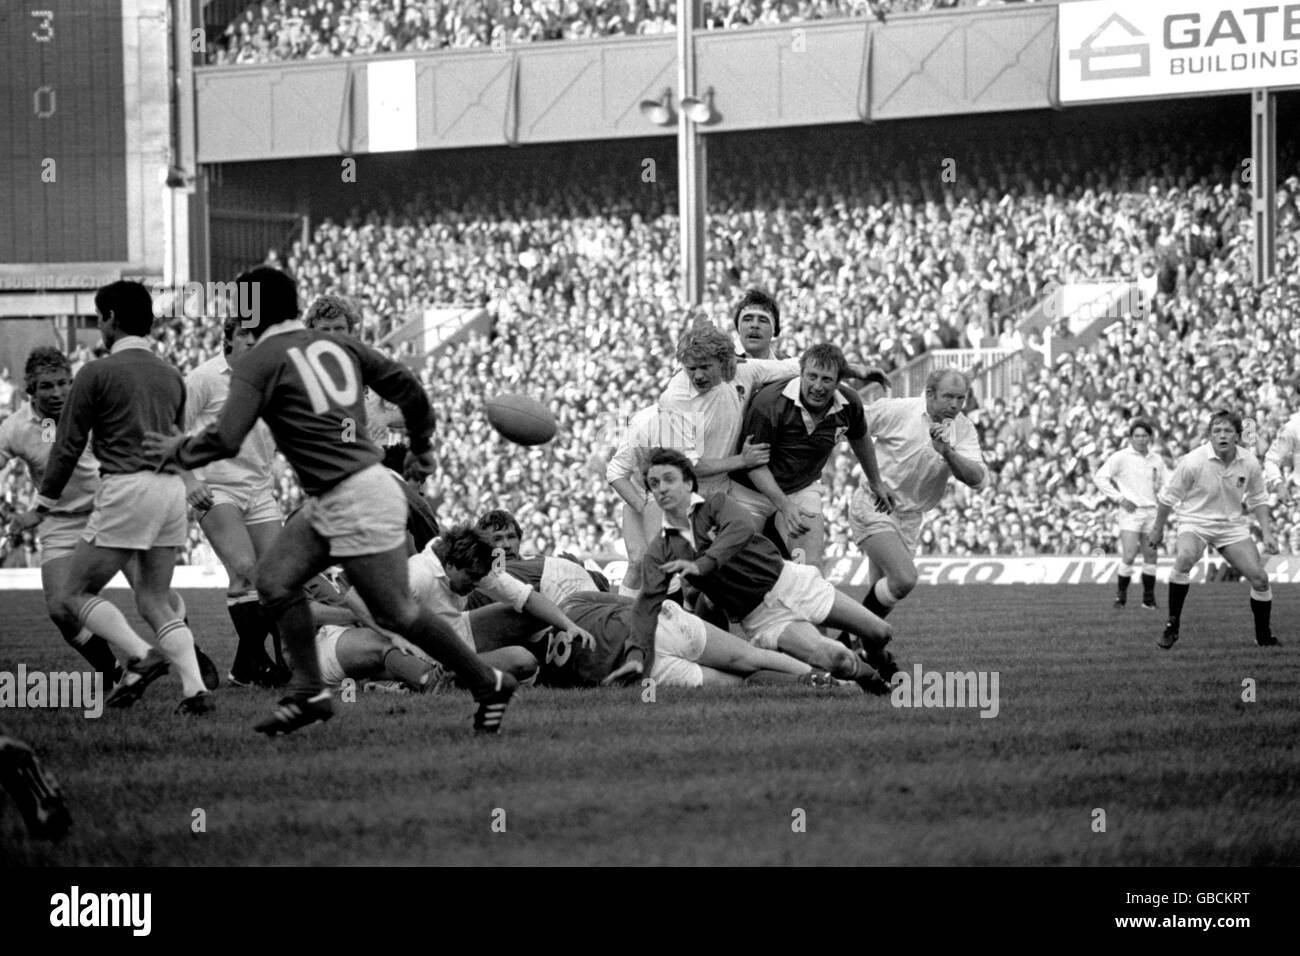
{"points": [[867, 247], [286, 30]]}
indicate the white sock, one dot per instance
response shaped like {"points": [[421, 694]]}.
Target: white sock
{"points": [[100, 617], [176, 641], [883, 594], [625, 591]]}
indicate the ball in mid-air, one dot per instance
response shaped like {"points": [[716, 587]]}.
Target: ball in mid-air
{"points": [[523, 420]]}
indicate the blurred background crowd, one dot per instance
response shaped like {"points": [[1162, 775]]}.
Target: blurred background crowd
{"points": [[289, 30], [573, 254]]}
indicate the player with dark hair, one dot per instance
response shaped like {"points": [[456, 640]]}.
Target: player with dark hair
{"points": [[307, 386], [712, 544], [1131, 477], [757, 320], [237, 509], [801, 421], [555, 577], [1209, 487], [139, 514]]}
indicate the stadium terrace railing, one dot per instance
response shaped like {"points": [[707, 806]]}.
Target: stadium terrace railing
{"points": [[994, 372]]}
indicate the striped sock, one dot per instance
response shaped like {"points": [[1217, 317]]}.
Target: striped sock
{"points": [[177, 643], [100, 617]]}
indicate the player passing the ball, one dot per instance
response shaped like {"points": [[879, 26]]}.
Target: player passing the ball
{"points": [[307, 386], [1209, 487]]}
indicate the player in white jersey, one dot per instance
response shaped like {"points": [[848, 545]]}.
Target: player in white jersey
{"points": [[920, 444], [1131, 477], [1284, 450], [1209, 486], [237, 508], [28, 436]]}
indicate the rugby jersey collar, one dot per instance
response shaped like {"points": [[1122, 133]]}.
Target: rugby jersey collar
{"points": [[130, 342], [794, 391], [696, 501]]}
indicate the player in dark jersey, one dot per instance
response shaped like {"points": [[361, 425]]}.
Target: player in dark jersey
{"points": [[307, 386]]}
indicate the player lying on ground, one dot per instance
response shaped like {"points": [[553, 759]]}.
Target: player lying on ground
{"points": [[139, 514], [777, 603], [555, 577], [689, 652], [801, 420], [27, 436], [237, 510], [1131, 477], [1209, 487], [307, 386], [920, 443]]}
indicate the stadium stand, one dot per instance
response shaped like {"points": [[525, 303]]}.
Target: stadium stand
{"points": [[281, 30], [865, 245]]}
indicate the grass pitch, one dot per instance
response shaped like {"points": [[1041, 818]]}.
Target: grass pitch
{"points": [[1092, 717]]}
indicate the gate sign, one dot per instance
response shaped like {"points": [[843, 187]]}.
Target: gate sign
{"points": [[1119, 49]]}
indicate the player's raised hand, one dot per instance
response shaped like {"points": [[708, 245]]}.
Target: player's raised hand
{"points": [[162, 448], [941, 435], [424, 462], [755, 455], [680, 567]]}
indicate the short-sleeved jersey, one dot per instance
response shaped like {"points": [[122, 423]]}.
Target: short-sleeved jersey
{"points": [[918, 475], [800, 444], [308, 387], [1126, 474], [1203, 487], [26, 436], [648, 429], [608, 618], [430, 587]]}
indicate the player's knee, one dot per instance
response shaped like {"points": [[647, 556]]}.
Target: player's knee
{"points": [[60, 610], [398, 617], [902, 582], [839, 659], [1258, 581], [243, 571]]}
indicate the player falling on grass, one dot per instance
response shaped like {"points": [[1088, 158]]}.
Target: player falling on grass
{"points": [[237, 508], [307, 386], [27, 436], [1131, 477], [139, 514], [553, 577], [712, 544], [801, 421], [920, 444], [1209, 487]]}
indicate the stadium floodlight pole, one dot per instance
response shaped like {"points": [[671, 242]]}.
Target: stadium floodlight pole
{"points": [[691, 180], [1263, 183]]}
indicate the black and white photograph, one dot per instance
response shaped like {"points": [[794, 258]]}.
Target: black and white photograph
{"points": [[651, 434]]}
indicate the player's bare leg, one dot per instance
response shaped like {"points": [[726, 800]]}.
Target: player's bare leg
{"points": [[1128, 549], [97, 652], [1245, 557], [382, 582], [725, 652], [803, 641], [153, 600], [893, 573], [1187, 551], [89, 569], [238, 551]]}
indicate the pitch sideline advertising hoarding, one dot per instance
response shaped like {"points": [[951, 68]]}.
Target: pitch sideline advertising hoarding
{"points": [[1118, 49], [848, 573]]}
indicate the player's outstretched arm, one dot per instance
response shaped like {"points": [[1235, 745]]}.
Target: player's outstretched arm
{"points": [[398, 384], [70, 438], [222, 439]]}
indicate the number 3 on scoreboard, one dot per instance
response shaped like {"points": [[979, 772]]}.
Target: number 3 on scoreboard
{"points": [[319, 381], [45, 24]]}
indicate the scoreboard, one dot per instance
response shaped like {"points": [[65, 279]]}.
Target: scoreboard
{"points": [[63, 152]]}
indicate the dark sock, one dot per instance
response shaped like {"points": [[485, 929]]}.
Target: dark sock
{"points": [[1124, 581], [98, 654], [408, 669], [438, 641], [250, 625], [299, 633], [872, 604], [1148, 587], [276, 644], [1177, 595], [1262, 611]]}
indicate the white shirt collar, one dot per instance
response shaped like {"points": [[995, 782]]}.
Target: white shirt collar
{"points": [[696, 501], [794, 391], [130, 342]]}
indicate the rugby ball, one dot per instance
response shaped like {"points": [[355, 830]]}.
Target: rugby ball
{"points": [[522, 420]]}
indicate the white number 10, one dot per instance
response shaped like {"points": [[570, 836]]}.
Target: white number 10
{"points": [[320, 381]]}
